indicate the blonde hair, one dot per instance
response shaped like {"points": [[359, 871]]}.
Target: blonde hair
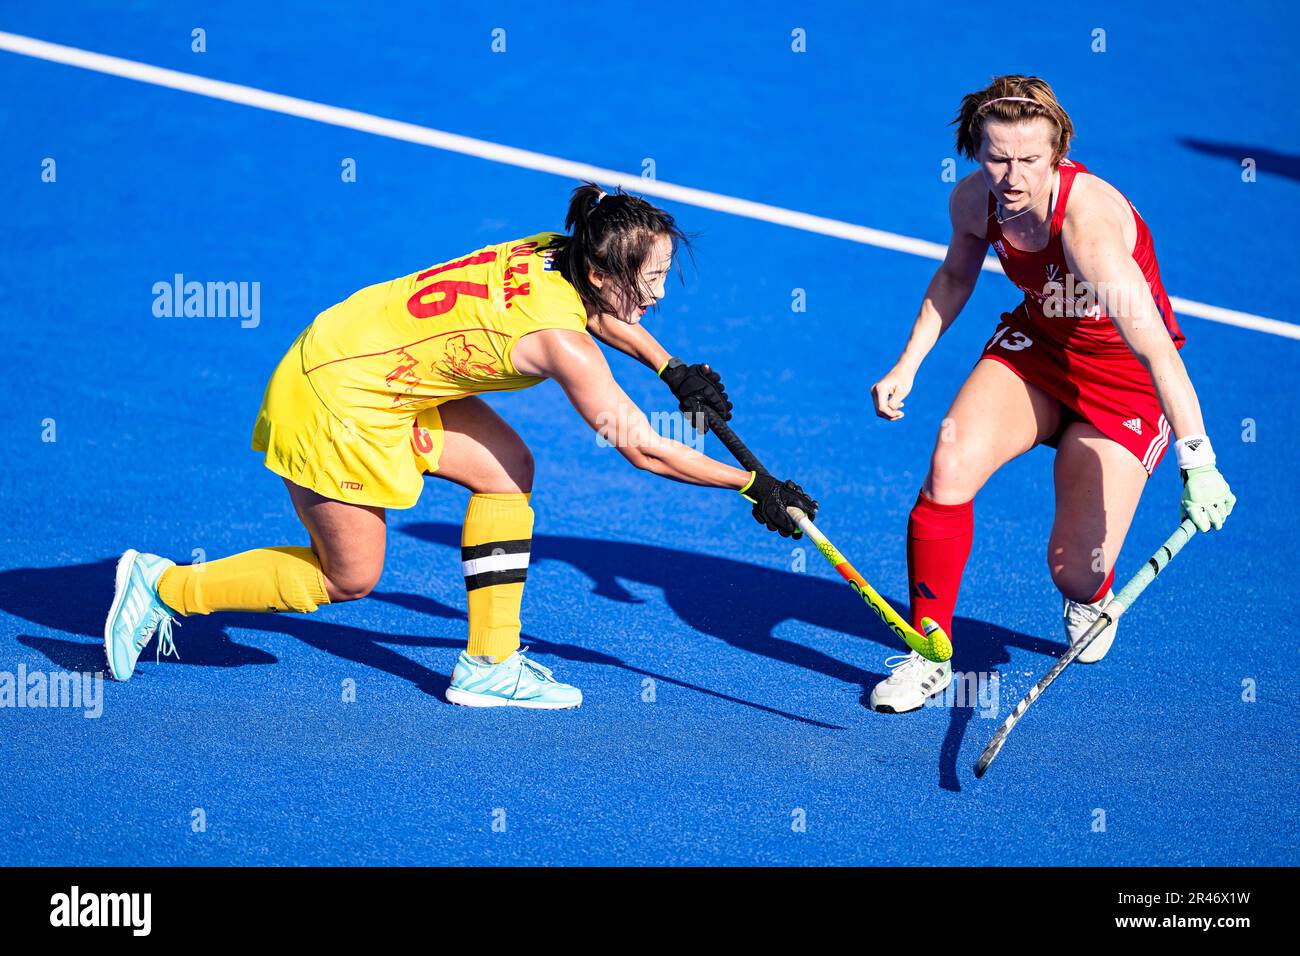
{"points": [[1011, 99]]}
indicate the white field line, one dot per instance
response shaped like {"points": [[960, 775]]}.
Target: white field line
{"points": [[541, 162]]}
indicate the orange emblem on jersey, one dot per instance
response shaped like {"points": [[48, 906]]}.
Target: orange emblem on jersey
{"points": [[403, 377], [466, 359]]}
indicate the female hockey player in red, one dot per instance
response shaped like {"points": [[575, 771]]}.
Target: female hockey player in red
{"points": [[1088, 363]]}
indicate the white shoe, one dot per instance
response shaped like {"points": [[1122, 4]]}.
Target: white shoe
{"points": [[517, 681], [913, 680], [1078, 618]]}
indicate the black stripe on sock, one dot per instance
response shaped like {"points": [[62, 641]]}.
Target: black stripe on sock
{"points": [[522, 546], [489, 578]]}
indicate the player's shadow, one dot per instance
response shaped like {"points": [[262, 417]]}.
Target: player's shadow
{"points": [[1268, 161], [42, 596], [738, 603], [743, 605]]}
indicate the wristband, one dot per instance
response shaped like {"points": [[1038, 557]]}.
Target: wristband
{"points": [[753, 477], [1194, 451], [671, 360]]}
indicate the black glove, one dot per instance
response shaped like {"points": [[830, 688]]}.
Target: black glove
{"points": [[697, 387], [771, 497]]}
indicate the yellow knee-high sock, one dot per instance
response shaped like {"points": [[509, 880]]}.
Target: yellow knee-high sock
{"points": [[495, 544], [268, 579]]}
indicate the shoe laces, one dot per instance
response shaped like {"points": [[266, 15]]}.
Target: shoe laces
{"points": [[902, 665], [1082, 615], [166, 646], [161, 625], [536, 668]]}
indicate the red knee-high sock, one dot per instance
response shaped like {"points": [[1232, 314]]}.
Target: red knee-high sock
{"points": [[938, 544]]}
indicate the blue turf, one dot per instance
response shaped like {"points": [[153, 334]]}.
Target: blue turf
{"points": [[759, 672]]}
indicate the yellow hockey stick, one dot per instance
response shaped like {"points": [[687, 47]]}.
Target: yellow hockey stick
{"points": [[933, 644]]}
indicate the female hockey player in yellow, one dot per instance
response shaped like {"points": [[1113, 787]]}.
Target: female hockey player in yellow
{"points": [[382, 388]]}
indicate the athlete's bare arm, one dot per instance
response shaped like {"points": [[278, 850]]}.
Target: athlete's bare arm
{"points": [[1097, 236], [946, 295], [576, 363], [633, 340]]}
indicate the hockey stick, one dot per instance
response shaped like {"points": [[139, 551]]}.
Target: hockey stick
{"points": [[1120, 603], [933, 645]]}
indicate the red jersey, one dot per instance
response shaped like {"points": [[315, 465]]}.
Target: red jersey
{"points": [[1058, 306]]}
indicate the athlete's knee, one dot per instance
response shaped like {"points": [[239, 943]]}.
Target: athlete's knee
{"points": [[349, 588], [511, 472], [1076, 576], [955, 474], [518, 465], [352, 582], [1075, 586]]}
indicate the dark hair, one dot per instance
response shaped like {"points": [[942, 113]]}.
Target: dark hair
{"points": [[612, 234], [979, 107]]}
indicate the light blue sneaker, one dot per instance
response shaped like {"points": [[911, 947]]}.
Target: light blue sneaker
{"points": [[514, 682], [136, 613]]}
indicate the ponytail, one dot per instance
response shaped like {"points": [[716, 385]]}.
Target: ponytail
{"points": [[612, 234]]}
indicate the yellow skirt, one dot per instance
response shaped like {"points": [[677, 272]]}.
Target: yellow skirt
{"points": [[310, 445]]}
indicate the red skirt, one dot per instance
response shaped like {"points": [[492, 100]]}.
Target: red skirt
{"points": [[1112, 391]]}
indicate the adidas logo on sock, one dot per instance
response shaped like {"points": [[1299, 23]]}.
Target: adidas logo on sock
{"points": [[1134, 425]]}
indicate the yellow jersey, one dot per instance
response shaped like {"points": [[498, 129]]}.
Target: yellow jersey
{"points": [[396, 348]]}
